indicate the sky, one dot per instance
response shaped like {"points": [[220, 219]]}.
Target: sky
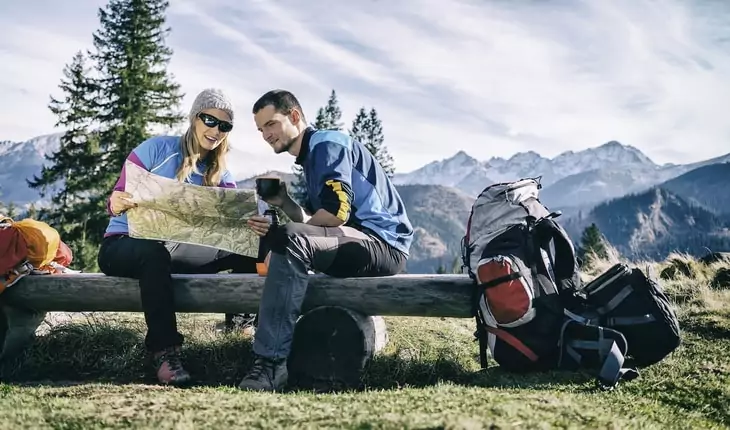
{"points": [[490, 77]]}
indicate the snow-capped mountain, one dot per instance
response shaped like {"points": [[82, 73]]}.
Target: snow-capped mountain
{"points": [[455, 170], [20, 161], [452, 172]]}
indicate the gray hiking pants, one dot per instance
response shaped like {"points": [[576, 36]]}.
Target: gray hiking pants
{"points": [[335, 251]]}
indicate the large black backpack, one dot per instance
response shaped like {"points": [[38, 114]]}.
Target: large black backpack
{"points": [[530, 310], [632, 302]]}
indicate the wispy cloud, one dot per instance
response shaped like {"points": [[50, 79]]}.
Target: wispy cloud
{"points": [[488, 77]]}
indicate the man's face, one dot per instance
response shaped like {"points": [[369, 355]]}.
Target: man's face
{"points": [[278, 130]]}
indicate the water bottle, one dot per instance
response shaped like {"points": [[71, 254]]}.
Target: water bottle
{"points": [[262, 265]]}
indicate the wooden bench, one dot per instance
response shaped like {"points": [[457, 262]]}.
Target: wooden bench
{"points": [[23, 306]]}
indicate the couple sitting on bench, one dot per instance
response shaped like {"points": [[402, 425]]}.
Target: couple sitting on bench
{"points": [[354, 224]]}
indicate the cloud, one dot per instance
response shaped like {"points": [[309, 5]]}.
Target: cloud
{"points": [[490, 78]]}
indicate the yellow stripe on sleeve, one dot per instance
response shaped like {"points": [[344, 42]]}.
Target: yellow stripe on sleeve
{"points": [[344, 209]]}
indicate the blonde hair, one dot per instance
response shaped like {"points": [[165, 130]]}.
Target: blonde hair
{"points": [[190, 148]]}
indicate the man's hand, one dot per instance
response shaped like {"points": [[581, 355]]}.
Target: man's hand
{"points": [[259, 224], [281, 198], [120, 202]]}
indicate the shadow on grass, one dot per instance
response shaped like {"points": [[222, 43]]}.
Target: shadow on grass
{"points": [[102, 353], [112, 354], [391, 372], [711, 325]]}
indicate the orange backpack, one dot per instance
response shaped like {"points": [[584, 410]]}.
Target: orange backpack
{"points": [[27, 246], [13, 248]]}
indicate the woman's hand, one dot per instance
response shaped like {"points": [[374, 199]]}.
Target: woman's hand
{"points": [[259, 224], [120, 202]]}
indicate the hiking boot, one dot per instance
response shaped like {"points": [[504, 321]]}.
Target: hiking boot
{"points": [[169, 367], [266, 375]]}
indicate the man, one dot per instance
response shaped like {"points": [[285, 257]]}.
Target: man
{"points": [[354, 224]]}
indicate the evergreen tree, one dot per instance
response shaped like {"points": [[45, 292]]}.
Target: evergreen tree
{"points": [[329, 116], [368, 130], [376, 143], [9, 210], [68, 175], [129, 97], [32, 212], [360, 125], [134, 95], [592, 243]]}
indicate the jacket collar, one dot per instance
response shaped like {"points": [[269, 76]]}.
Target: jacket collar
{"points": [[304, 149]]}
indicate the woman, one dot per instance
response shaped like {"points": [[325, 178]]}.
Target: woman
{"points": [[197, 157]]}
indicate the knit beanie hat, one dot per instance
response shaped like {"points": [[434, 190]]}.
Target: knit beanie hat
{"points": [[211, 98]]}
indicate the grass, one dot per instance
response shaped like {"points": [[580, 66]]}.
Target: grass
{"points": [[93, 373]]}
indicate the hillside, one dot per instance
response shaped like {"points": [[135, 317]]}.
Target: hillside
{"points": [[439, 216], [706, 186], [594, 186], [655, 223]]}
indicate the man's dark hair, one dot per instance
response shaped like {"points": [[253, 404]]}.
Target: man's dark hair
{"points": [[282, 100]]}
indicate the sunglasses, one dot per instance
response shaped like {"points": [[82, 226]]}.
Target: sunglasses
{"points": [[211, 121]]}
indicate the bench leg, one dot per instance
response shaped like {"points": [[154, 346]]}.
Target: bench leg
{"points": [[331, 347], [17, 329]]}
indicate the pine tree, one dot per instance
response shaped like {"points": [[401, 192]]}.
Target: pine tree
{"points": [[376, 143], [360, 125], [135, 93], [68, 175], [329, 116], [8, 210], [11, 210], [32, 212], [368, 130], [592, 243]]}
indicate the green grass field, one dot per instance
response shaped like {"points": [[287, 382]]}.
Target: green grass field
{"points": [[93, 373]]}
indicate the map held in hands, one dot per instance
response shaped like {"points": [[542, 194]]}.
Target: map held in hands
{"points": [[169, 210]]}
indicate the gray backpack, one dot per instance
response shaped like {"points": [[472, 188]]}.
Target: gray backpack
{"points": [[525, 271]]}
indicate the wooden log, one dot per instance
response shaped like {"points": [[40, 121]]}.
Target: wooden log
{"points": [[331, 347], [404, 295]]}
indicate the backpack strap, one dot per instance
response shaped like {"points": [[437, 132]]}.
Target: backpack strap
{"points": [[607, 348], [506, 278], [481, 335], [565, 262], [514, 342]]}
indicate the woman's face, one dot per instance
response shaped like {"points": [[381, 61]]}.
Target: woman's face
{"points": [[208, 125]]}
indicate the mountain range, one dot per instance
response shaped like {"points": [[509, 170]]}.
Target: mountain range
{"points": [[570, 180], [643, 208]]}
